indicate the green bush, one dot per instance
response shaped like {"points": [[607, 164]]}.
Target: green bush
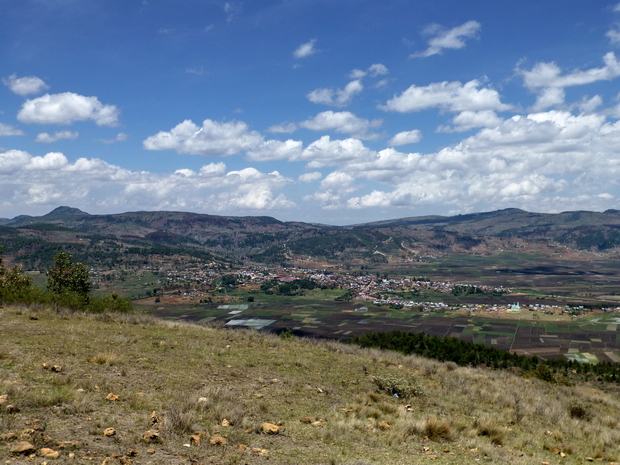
{"points": [[397, 387]]}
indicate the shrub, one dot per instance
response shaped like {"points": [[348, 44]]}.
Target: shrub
{"points": [[579, 411], [437, 429], [397, 387]]}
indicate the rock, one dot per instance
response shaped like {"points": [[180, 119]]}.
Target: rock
{"points": [[150, 451], [263, 453], [3, 398], [384, 425], [225, 423], [241, 447], [71, 455], [202, 400], [317, 423], [49, 453], [150, 436], [218, 441], [9, 437], [195, 439], [109, 432], [112, 397], [155, 419], [306, 420], [11, 409], [269, 428], [22, 448]]}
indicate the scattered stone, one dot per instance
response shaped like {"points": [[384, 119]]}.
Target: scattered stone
{"points": [[202, 400], [269, 428], [155, 419], [384, 425], [306, 420], [263, 453], [49, 453], [71, 455], [12, 409], [150, 451], [195, 439], [27, 433], [8, 437], [125, 460], [3, 398], [241, 447], [218, 441], [225, 423], [23, 448], [317, 423], [112, 397], [108, 432], [151, 436], [69, 445]]}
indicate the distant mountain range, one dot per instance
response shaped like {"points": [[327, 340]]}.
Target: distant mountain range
{"points": [[109, 240]]}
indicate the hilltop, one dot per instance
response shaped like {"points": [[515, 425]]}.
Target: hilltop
{"points": [[134, 389]]}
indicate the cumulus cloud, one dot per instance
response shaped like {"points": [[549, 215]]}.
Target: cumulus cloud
{"points": [[310, 177], [8, 130], [67, 108], [343, 122], [406, 137], [550, 74], [45, 137], [44, 182], [336, 97], [467, 120], [327, 152], [211, 139], [305, 50], [447, 96], [276, 150], [451, 38], [25, 85]]}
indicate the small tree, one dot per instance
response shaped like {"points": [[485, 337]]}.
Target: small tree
{"points": [[14, 284], [68, 278]]}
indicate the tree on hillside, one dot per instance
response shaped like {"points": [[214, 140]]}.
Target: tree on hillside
{"points": [[13, 282], [66, 277]]}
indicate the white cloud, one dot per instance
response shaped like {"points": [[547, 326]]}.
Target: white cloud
{"points": [[406, 137], [549, 74], [614, 36], [337, 97], [67, 108], [8, 130], [212, 139], [25, 85], [121, 136], [343, 122], [305, 50], [45, 137], [327, 152], [451, 38], [448, 96], [276, 150], [467, 120], [549, 97], [93, 185], [374, 70], [309, 177]]}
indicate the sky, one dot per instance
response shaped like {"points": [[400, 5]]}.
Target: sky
{"points": [[325, 111]]}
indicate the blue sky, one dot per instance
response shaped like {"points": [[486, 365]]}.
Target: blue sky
{"points": [[331, 111]]}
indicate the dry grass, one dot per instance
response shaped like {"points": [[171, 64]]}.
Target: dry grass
{"points": [[182, 380]]}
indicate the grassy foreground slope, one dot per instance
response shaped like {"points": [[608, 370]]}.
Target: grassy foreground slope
{"points": [[203, 395]]}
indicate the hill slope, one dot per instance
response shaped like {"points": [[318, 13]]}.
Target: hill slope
{"points": [[105, 241], [178, 381]]}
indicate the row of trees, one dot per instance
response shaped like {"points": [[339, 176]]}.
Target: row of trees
{"points": [[466, 353], [68, 285]]}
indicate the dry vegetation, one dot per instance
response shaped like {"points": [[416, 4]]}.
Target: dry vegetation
{"points": [[90, 386]]}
